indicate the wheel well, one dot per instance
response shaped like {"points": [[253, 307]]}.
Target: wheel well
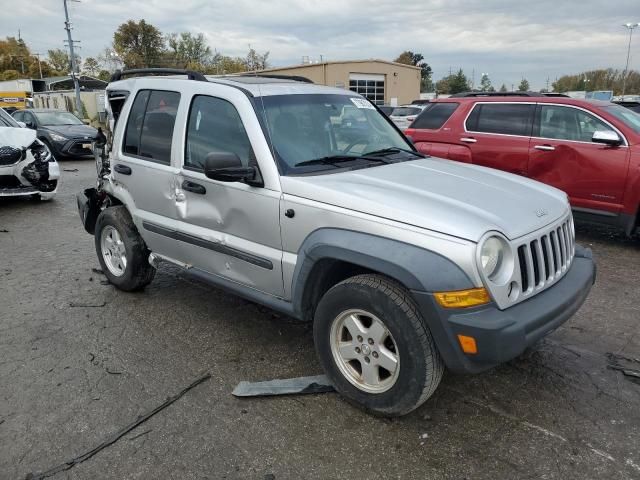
{"points": [[326, 273]]}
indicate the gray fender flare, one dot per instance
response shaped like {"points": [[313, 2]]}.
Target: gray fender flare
{"points": [[416, 268]]}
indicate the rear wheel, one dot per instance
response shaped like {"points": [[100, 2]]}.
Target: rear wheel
{"points": [[123, 255], [375, 346]]}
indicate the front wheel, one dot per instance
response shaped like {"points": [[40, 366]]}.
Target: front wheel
{"points": [[122, 253], [375, 346]]}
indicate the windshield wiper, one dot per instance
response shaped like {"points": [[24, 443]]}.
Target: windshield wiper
{"points": [[387, 151], [336, 159]]}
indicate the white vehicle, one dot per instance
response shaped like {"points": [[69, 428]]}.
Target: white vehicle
{"points": [[306, 199], [27, 168], [404, 115]]}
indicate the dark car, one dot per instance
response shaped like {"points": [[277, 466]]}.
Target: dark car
{"points": [[64, 133], [631, 105]]}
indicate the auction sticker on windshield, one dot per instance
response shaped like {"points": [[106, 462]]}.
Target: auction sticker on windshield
{"points": [[362, 103]]}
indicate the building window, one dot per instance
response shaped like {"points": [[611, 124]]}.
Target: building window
{"points": [[369, 86]]}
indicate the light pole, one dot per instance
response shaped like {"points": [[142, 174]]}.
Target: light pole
{"points": [[74, 74], [630, 27]]}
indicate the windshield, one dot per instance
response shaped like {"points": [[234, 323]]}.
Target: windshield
{"points": [[7, 120], [630, 118], [319, 126], [58, 118]]}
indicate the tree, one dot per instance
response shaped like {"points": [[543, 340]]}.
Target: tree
{"points": [[139, 45], [256, 61], [110, 60], [503, 88], [602, 79], [104, 75], [459, 83], [61, 62], [15, 56], [189, 51], [91, 66], [10, 75], [417, 59], [524, 85], [485, 83]]}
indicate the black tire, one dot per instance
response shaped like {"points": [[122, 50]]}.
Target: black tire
{"points": [[420, 364], [138, 272]]}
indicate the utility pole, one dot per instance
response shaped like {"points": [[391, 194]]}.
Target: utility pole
{"points": [[37, 55], [76, 84], [630, 27]]}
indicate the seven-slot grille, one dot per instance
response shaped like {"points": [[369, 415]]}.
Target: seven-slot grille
{"points": [[544, 260]]}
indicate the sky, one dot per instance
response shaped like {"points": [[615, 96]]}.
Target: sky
{"points": [[507, 39]]}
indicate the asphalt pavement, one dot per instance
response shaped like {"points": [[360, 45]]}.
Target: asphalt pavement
{"points": [[80, 361]]}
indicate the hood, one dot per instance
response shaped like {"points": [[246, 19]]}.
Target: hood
{"points": [[73, 131], [16, 137], [440, 195]]}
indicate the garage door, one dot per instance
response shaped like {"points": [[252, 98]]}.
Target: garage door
{"points": [[368, 85]]}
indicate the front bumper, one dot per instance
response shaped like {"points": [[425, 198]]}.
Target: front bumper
{"points": [[29, 177], [502, 335]]}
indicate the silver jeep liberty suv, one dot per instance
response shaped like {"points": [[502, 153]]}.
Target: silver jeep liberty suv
{"points": [[308, 200]]}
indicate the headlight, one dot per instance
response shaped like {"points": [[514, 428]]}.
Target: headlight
{"points": [[496, 259], [58, 138], [491, 255]]}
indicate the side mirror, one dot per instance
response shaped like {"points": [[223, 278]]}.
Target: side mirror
{"points": [[607, 137], [227, 167], [22, 124], [86, 122], [31, 125]]}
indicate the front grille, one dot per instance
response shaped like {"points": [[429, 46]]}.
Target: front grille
{"points": [[10, 155], [76, 148], [546, 258]]}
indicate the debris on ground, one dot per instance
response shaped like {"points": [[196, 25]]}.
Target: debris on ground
{"points": [[63, 467], [287, 386], [630, 367], [89, 305], [4, 230], [70, 170], [97, 270]]}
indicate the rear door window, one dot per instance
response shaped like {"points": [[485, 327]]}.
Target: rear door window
{"points": [[435, 116], [502, 118], [150, 125]]}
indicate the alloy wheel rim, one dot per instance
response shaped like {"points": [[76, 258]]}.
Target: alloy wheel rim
{"points": [[113, 249], [364, 351]]}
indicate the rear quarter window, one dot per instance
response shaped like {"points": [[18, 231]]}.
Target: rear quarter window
{"points": [[435, 116]]}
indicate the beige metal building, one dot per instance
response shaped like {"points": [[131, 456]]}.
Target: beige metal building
{"points": [[381, 81]]}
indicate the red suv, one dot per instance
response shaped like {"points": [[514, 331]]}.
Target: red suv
{"points": [[589, 149]]}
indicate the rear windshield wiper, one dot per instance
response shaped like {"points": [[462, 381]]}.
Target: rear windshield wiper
{"points": [[335, 159], [390, 150]]}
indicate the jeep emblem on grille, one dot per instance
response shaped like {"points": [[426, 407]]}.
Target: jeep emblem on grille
{"points": [[541, 212]]}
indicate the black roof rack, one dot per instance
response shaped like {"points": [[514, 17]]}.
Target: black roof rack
{"points": [[191, 75], [554, 94], [497, 94], [295, 78]]}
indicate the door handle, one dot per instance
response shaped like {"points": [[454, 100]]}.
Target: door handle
{"points": [[193, 187], [468, 140], [123, 169], [545, 148]]}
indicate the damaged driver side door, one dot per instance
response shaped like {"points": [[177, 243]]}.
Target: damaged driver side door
{"points": [[228, 229]]}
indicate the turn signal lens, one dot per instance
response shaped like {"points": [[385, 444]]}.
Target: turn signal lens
{"points": [[468, 344], [463, 298]]}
